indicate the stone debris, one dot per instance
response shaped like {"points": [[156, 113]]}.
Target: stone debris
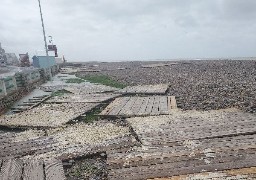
{"points": [[88, 134]]}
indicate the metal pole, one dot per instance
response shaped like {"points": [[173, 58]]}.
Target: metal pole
{"points": [[45, 43]]}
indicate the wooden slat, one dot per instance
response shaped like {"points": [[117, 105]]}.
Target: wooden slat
{"points": [[137, 105], [176, 153], [155, 109], [143, 106], [110, 106], [54, 170], [18, 149], [118, 107], [149, 105], [173, 103], [163, 105], [33, 170], [11, 169], [168, 169], [1, 164], [127, 109], [145, 89]]}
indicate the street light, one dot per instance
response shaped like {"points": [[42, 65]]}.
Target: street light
{"points": [[45, 43]]}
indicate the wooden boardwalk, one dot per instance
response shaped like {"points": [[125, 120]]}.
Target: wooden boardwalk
{"points": [[17, 169], [86, 98], [90, 89], [31, 103], [145, 89], [157, 65], [67, 143], [232, 174], [47, 115], [140, 106], [186, 143], [11, 149]]}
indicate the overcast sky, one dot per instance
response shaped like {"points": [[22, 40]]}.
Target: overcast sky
{"points": [[113, 30]]}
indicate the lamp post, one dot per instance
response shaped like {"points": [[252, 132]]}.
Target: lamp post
{"points": [[45, 43]]}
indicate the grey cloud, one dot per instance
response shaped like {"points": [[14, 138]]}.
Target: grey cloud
{"points": [[121, 29]]}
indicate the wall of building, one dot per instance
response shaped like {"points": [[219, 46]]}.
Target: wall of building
{"points": [[12, 88], [2, 88]]}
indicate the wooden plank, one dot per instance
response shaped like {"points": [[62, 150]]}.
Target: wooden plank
{"points": [[149, 106], [111, 106], [136, 107], [118, 107], [54, 170], [143, 107], [170, 138], [169, 103], [173, 102], [174, 155], [167, 170], [33, 170], [155, 108], [18, 149], [11, 169], [136, 89], [145, 89], [1, 161], [163, 105], [127, 109]]}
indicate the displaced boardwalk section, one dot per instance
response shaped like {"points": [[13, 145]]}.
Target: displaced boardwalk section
{"points": [[86, 98], [140, 106], [234, 174], [145, 89], [47, 115], [66, 143], [89, 89], [141, 134], [31, 170], [187, 142], [30, 104]]}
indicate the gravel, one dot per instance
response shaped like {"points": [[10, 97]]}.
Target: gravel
{"points": [[200, 85]]}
